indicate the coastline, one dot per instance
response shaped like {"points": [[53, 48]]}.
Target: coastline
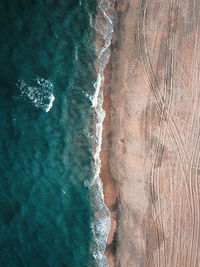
{"points": [[104, 27], [109, 183]]}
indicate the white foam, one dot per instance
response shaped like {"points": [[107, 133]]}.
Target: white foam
{"points": [[102, 224], [91, 20], [76, 53], [52, 98], [40, 94], [97, 86]]}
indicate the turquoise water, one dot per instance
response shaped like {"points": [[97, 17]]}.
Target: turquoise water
{"points": [[47, 77]]}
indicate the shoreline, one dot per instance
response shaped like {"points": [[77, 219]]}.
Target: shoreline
{"points": [[104, 27], [109, 183]]}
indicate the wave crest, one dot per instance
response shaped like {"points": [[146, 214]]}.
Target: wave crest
{"points": [[40, 95]]}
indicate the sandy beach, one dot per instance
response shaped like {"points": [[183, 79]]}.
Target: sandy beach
{"points": [[150, 151]]}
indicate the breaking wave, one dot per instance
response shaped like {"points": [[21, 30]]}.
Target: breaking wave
{"points": [[40, 94], [102, 223]]}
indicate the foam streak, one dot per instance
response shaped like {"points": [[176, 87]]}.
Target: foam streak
{"points": [[102, 224]]}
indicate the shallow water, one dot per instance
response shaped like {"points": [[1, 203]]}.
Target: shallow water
{"points": [[47, 79]]}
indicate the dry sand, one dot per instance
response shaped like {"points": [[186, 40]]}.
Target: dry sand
{"points": [[150, 153]]}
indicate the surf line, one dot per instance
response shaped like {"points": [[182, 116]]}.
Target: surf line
{"points": [[102, 224]]}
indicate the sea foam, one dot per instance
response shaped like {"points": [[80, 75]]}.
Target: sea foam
{"points": [[102, 223], [40, 94]]}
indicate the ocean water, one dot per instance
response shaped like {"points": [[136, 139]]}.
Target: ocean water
{"points": [[47, 79], [52, 210]]}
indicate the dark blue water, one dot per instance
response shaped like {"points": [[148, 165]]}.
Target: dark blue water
{"points": [[47, 52]]}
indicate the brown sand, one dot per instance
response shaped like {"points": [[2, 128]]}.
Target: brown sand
{"points": [[150, 154]]}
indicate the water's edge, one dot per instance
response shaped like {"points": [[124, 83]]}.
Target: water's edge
{"points": [[104, 26]]}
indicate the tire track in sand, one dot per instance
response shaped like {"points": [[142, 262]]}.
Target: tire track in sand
{"points": [[167, 99], [195, 152], [164, 109], [159, 147]]}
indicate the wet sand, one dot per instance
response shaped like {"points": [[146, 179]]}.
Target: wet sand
{"points": [[150, 151]]}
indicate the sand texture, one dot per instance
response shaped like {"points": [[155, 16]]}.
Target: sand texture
{"points": [[150, 153]]}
